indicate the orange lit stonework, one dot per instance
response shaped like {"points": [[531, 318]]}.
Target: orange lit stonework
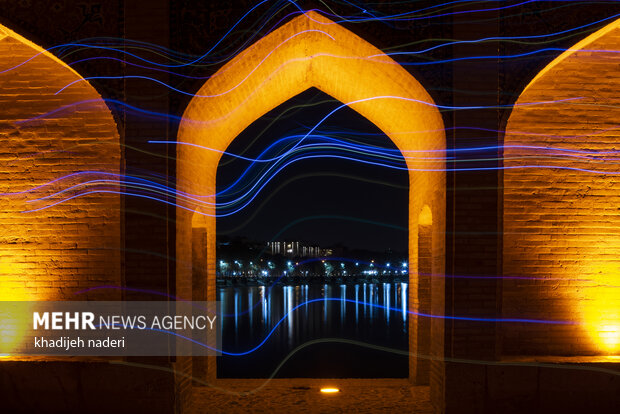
{"points": [[561, 223], [52, 253]]}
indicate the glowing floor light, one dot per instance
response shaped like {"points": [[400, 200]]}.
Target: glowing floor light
{"points": [[329, 390], [13, 320], [602, 311], [609, 336], [13, 317]]}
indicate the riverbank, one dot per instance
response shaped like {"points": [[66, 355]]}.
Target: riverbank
{"points": [[303, 280]]}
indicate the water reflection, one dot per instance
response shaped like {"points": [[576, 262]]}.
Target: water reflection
{"points": [[334, 313]]}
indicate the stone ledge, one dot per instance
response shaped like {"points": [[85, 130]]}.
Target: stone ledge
{"points": [[28, 386]]}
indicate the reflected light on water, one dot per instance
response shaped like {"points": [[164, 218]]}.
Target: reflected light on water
{"points": [[338, 313]]}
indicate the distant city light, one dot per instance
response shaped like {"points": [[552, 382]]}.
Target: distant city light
{"points": [[271, 266]]}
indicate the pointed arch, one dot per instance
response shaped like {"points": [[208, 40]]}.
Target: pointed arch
{"points": [[309, 51], [559, 223]]}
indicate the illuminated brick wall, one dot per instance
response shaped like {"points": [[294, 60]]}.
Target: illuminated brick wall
{"points": [[564, 226], [52, 253]]}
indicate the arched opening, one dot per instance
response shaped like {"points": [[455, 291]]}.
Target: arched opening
{"points": [[561, 219], [310, 51], [327, 232]]}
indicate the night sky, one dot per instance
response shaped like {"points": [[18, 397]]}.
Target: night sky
{"points": [[316, 187]]}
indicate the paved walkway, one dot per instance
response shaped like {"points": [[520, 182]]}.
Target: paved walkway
{"points": [[303, 396]]}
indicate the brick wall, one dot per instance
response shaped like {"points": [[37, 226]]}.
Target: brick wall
{"points": [[54, 252], [563, 226], [424, 298]]}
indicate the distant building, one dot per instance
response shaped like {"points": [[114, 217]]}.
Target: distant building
{"points": [[296, 249]]}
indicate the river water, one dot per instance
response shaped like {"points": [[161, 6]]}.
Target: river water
{"points": [[318, 315]]}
